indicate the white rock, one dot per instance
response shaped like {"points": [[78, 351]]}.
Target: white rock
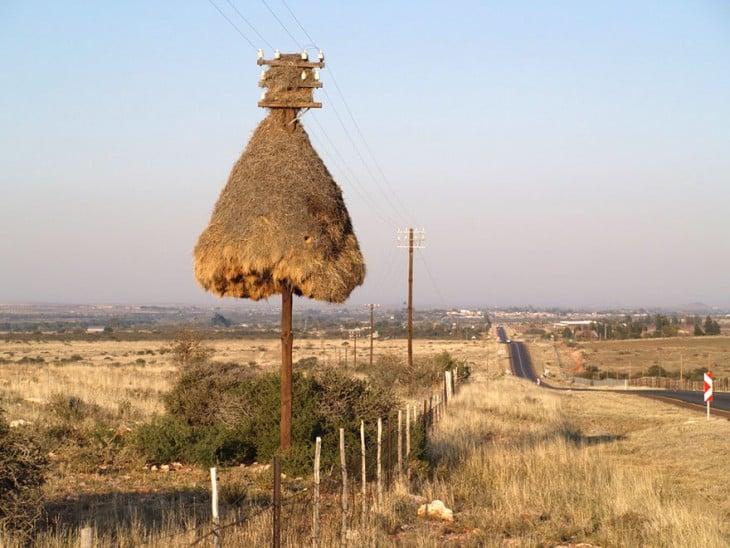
{"points": [[436, 510]]}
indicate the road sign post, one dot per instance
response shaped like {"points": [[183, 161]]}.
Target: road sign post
{"points": [[708, 391]]}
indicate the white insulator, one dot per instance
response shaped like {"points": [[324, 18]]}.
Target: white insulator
{"points": [[305, 56], [316, 75], [261, 53], [304, 75], [277, 54], [320, 55]]}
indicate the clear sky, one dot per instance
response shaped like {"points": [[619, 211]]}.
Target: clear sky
{"points": [[566, 153]]}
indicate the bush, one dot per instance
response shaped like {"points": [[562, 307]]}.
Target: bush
{"points": [[389, 370], [222, 413], [22, 469], [84, 436]]}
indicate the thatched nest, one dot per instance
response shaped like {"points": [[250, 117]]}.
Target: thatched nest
{"points": [[280, 222]]}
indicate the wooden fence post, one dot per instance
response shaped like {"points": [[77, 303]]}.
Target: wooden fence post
{"points": [[86, 540], [408, 431], [315, 516], [214, 508]]}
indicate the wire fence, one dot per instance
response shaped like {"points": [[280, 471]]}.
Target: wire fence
{"points": [[719, 384], [334, 506]]}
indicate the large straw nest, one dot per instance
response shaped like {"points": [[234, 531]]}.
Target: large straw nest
{"points": [[280, 222]]}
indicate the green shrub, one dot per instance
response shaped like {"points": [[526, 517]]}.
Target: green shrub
{"points": [[170, 439], [224, 413]]}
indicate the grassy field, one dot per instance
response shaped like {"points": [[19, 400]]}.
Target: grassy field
{"points": [[634, 356], [519, 465], [136, 373]]}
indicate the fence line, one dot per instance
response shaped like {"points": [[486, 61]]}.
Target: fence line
{"points": [[720, 384], [434, 408]]}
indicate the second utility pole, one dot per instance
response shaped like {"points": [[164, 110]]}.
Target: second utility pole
{"points": [[414, 241], [410, 297]]}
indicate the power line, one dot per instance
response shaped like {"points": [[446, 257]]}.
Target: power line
{"points": [[359, 154], [433, 280], [397, 208], [232, 24], [280, 23], [348, 174], [311, 40], [403, 211], [250, 25]]}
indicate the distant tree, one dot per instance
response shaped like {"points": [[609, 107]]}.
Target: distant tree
{"points": [[189, 350], [698, 330], [656, 371], [711, 326], [567, 333], [219, 320], [664, 327]]}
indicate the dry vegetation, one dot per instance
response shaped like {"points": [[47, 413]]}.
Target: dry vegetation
{"points": [[519, 465], [634, 356]]}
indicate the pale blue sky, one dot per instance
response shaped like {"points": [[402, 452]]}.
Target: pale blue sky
{"points": [[568, 153]]}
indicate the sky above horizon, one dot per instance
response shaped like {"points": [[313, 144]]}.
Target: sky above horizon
{"points": [[563, 153]]}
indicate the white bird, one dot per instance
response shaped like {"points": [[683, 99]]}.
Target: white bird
{"points": [[304, 75], [305, 56], [263, 95], [316, 75], [263, 75], [261, 53], [277, 54], [320, 55]]}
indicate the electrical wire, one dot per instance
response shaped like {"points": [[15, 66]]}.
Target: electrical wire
{"points": [[347, 173], [311, 40], [232, 24], [433, 281], [282, 24], [403, 210], [394, 203], [398, 207], [250, 25]]}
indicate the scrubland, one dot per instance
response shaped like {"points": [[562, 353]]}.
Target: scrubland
{"points": [[519, 465]]}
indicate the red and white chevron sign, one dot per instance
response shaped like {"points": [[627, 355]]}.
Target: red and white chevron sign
{"points": [[708, 386]]}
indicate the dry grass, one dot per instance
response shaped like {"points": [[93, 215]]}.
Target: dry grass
{"points": [[542, 468], [634, 356], [519, 465], [110, 373]]}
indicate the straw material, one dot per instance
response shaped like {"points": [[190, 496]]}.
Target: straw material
{"points": [[280, 222]]}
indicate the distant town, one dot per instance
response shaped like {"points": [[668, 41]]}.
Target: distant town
{"points": [[167, 320]]}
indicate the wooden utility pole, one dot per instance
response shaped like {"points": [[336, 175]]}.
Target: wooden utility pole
{"points": [[287, 340], [410, 297], [372, 326], [291, 80], [415, 239]]}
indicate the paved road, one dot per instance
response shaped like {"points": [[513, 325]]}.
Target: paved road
{"points": [[521, 362], [522, 367]]}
